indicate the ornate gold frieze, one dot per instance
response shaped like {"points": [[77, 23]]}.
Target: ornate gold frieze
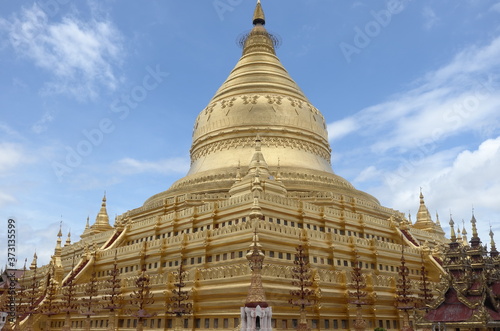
{"points": [[269, 141]]}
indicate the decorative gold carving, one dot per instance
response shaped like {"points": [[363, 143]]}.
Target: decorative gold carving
{"points": [[250, 99], [295, 102], [228, 102], [208, 112], [267, 141], [274, 99]]}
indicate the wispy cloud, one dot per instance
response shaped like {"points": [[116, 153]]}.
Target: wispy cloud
{"points": [[458, 97], [11, 156], [339, 129], [81, 56], [42, 124], [430, 17], [166, 166], [441, 133]]}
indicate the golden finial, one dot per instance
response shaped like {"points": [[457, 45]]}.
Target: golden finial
{"points": [[59, 234], [102, 219], [464, 232], [68, 240], [493, 245], [258, 15], [473, 222], [453, 236], [259, 39], [34, 262]]}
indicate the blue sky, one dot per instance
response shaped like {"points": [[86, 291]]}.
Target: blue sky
{"points": [[102, 96]]}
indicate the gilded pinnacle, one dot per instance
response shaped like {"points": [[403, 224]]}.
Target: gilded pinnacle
{"points": [[258, 15], [102, 219], [474, 228], [493, 246], [59, 234], [256, 295], [453, 236]]}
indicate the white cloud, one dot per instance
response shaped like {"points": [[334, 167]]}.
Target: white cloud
{"points": [[453, 181], [41, 125], [6, 199], [441, 134], [339, 129], [367, 174], [430, 17], [11, 156], [461, 96], [166, 166], [79, 55]]}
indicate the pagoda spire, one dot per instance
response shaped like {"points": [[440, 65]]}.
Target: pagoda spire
{"points": [[493, 249], [474, 240], [102, 219], [255, 257], [258, 178], [258, 162], [258, 15], [103, 213], [68, 240], [259, 39], [464, 233], [256, 315], [34, 262], [424, 220], [56, 258], [473, 223], [59, 240], [256, 211], [453, 236]]}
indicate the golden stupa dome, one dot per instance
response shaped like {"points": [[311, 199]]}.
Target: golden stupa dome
{"points": [[259, 98]]}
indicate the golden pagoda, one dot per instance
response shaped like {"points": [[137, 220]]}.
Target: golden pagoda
{"points": [[260, 164]]}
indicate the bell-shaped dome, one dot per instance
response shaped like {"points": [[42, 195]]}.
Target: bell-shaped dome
{"points": [[259, 98]]}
